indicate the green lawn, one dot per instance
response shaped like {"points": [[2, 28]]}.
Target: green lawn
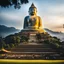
{"points": [[10, 61]]}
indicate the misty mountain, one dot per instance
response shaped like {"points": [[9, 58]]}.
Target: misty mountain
{"points": [[5, 31], [59, 35]]}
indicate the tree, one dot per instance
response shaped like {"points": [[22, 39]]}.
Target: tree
{"points": [[8, 46], [16, 3], [17, 41], [2, 43], [12, 39], [12, 45], [24, 38]]}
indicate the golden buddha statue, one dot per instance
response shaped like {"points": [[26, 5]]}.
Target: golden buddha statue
{"points": [[33, 22]]}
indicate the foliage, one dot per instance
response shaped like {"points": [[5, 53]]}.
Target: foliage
{"points": [[55, 43], [2, 43], [43, 36], [12, 40], [15, 3], [24, 38]]}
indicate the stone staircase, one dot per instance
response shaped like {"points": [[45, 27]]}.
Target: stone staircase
{"points": [[34, 51], [33, 48]]}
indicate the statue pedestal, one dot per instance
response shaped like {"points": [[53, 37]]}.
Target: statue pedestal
{"points": [[31, 35], [33, 30]]}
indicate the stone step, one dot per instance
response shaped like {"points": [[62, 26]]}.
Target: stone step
{"points": [[34, 46], [33, 55], [32, 49], [30, 53]]}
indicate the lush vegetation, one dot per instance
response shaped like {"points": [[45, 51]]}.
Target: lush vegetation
{"points": [[54, 42], [9, 41], [13, 40], [24, 37], [42, 36], [15, 3]]}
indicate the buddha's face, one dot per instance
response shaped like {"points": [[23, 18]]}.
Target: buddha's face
{"points": [[32, 11]]}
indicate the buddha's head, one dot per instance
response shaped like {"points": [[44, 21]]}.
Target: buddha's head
{"points": [[32, 10]]}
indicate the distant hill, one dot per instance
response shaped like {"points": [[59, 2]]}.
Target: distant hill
{"points": [[5, 31], [59, 35]]}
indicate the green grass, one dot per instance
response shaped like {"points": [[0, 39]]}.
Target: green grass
{"points": [[10, 61]]}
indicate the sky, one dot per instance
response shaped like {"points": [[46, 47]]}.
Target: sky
{"points": [[50, 11]]}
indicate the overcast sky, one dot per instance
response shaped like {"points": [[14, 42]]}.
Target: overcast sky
{"points": [[51, 12]]}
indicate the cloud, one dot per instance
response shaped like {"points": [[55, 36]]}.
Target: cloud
{"points": [[53, 16], [13, 20], [10, 16]]}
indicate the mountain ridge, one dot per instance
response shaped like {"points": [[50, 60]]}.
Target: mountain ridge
{"points": [[59, 35], [5, 31]]}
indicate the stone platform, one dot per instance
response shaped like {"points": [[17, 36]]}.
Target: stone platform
{"points": [[33, 31]]}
